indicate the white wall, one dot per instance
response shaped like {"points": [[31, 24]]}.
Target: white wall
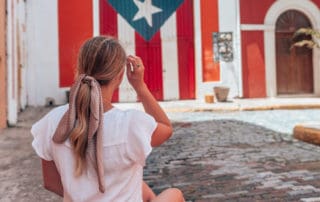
{"points": [[231, 74], [42, 50], [16, 59]]}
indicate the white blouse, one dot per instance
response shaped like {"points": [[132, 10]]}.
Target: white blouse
{"points": [[127, 143]]}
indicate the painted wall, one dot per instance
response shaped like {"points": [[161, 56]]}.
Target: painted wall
{"points": [[253, 11], [253, 60], [75, 25], [42, 49], [3, 81], [218, 16], [52, 50], [254, 83], [231, 71]]}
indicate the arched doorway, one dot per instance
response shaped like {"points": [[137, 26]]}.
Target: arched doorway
{"points": [[294, 65]]}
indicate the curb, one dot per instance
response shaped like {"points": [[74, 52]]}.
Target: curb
{"points": [[307, 134], [282, 107], [238, 107]]}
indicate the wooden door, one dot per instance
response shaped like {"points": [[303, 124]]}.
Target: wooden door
{"points": [[294, 64]]}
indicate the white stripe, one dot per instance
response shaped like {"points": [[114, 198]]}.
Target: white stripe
{"points": [[255, 27], [230, 71], [200, 92], [126, 37], [170, 72], [95, 7]]}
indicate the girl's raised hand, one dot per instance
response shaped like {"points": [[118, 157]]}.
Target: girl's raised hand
{"points": [[135, 72]]}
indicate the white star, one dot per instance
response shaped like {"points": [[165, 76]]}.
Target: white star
{"points": [[146, 10]]}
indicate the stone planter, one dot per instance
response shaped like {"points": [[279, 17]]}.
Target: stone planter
{"points": [[221, 93]]}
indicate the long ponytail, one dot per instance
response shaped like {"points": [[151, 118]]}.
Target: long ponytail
{"points": [[79, 134], [101, 58]]}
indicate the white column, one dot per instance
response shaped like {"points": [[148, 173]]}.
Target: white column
{"points": [[21, 40], [11, 64], [96, 17], [231, 71], [198, 49]]}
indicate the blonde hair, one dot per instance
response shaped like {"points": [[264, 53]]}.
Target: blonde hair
{"points": [[102, 58]]}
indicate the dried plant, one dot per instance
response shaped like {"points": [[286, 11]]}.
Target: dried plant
{"points": [[313, 42]]}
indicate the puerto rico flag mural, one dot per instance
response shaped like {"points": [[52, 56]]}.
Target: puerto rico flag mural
{"points": [[161, 32]]}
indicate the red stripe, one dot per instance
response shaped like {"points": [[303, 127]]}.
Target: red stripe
{"points": [[186, 60], [209, 24], [108, 19], [75, 26], [109, 26], [253, 64], [150, 53]]}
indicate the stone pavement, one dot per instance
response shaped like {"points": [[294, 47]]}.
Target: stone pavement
{"points": [[212, 156], [226, 160]]}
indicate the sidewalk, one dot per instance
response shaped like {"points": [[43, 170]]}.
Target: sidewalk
{"points": [[307, 132], [234, 105]]}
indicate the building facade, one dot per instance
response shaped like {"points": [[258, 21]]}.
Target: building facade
{"points": [[175, 45], [188, 47], [270, 67]]}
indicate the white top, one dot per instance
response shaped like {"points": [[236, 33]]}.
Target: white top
{"points": [[126, 144]]}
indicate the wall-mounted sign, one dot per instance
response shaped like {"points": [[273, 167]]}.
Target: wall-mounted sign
{"points": [[222, 46]]}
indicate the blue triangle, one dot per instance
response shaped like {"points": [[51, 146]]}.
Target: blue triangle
{"points": [[127, 9]]}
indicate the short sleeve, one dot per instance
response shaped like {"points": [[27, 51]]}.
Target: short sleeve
{"points": [[42, 142], [141, 128]]}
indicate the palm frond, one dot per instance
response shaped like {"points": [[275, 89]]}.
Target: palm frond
{"points": [[307, 31], [309, 43], [306, 43]]}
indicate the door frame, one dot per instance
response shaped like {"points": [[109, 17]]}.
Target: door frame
{"points": [[312, 12]]}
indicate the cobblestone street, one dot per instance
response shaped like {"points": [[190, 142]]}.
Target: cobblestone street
{"points": [[226, 160], [213, 156]]}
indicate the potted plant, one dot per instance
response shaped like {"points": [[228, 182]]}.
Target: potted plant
{"points": [[221, 93]]}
